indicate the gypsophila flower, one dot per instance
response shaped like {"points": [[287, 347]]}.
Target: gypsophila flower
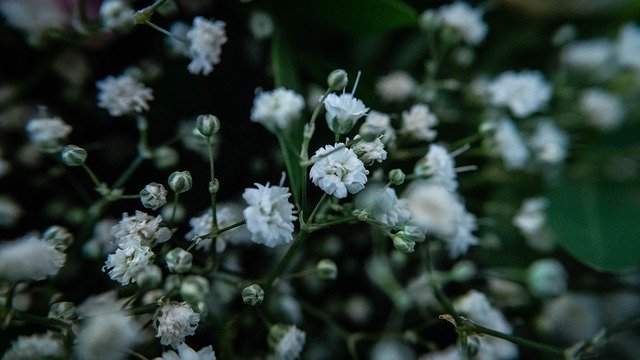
{"points": [[187, 353], [510, 145], [531, 217], [370, 151], [34, 16], [594, 55], [128, 261], [277, 109], [418, 123], [269, 215], [227, 214], [384, 206], [289, 341], [123, 95], [261, 25], [116, 15], [176, 43], [338, 171], [48, 134], [10, 212], [524, 93], [466, 20], [29, 258], [380, 123], [628, 46], [140, 228], [205, 38], [174, 322], [153, 196], [396, 86], [343, 111], [37, 346], [107, 336], [439, 166], [549, 144], [602, 109]]}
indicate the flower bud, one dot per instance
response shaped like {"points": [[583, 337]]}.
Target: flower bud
{"points": [[178, 215], [327, 269], [165, 157], [194, 288], [414, 232], [149, 278], [429, 21], [368, 133], [172, 282], [178, 260], [547, 278], [73, 155], [63, 311], [252, 295], [403, 243], [463, 270], [207, 125], [337, 80], [214, 186], [153, 196], [396, 176], [180, 181], [58, 236]]}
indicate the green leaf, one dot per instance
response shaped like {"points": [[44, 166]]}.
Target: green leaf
{"points": [[363, 17], [283, 63], [597, 222]]}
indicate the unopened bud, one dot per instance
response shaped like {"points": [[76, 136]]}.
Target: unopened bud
{"points": [[337, 80], [214, 186], [327, 269], [396, 176], [178, 260], [194, 288], [58, 236], [63, 311], [547, 278], [180, 181], [252, 295], [403, 243], [207, 125], [153, 196], [149, 278], [73, 155]]}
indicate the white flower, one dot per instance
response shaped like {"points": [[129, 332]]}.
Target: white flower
{"points": [[261, 25], [187, 353], [227, 214], [277, 109], [442, 214], [128, 261], [291, 344], [338, 171], [116, 15], [34, 16], [10, 212], [269, 215], [591, 55], [524, 93], [465, 19], [396, 86], [107, 336], [478, 309], [380, 123], [531, 217], [48, 134], [123, 95], [176, 43], [418, 123], [450, 353], [572, 317], [384, 206], [509, 144], [439, 166], [29, 258], [153, 196], [602, 109], [140, 228], [205, 38], [549, 143], [628, 46], [343, 111], [37, 346], [370, 151], [174, 322]]}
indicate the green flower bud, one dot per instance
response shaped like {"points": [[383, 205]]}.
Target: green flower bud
{"points": [[403, 243], [58, 236], [172, 282], [150, 277], [214, 186], [414, 232], [73, 155], [64, 311], [194, 288], [337, 80], [252, 295], [153, 196], [396, 176], [178, 260], [327, 269], [180, 181], [207, 125], [547, 278]]}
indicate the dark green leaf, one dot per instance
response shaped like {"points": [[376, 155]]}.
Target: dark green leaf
{"points": [[283, 63]]}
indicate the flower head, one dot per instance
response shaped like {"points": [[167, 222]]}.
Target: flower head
{"points": [[466, 20], [439, 166], [37, 346], [123, 95], [269, 215], [602, 109], [187, 353], [628, 46], [510, 145], [140, 228], [227, 214], [48, 134], [418, 123], [524, 93], [380, 123], [205, 38], [396, 86], [370, 151], [549, 143], [107, 336], [276, 109], [338, 170], [174, 322], [343, 111], [29, 258], [128, 261], [287, 341]]}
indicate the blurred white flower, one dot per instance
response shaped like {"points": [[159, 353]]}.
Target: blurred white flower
{"points": [[34, 16], [29, 258], [48, 134], [123, 95], [547, 278], [603, 109], [531, 217], [628, 46], [228, 214], [261, 25], [37, 346], [174, 322], [116, 15], [510, 145], [524, 93], [277, 109], [450, 353], [549, 144], [177, 43], [384, 206], [269, 215], [290, 344], [571, 318], [107, 336], [396, 86], [594, 55], [205, 38], [10, 212], [338, 172], [439, 168], [187, 353], [343, 111], [466, 20], [380, 123], [418, 123]]}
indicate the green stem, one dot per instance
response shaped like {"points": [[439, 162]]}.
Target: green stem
{"points": [[128, 172], [286, 260], [232, 226], [466, 140], [314, 212], [92, 175], [304, 151], [316, 227], [142, 16], [213, 191]]}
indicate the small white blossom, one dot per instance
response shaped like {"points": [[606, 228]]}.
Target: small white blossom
{"points": [[205, 38], [174, 322], [153, 196], [439, 166], [396, 86], [123, 95], [37, 346], [510, 145], [549, 143], [370, 151], [107, 336], [176, 43], [261, 25], [34, 16], [343, 111], [48, 134], [128, 261], [602, 109], [338, 171], [116, 15], [277, 109], [594, 55], [628, 46], [10, 212], [384, 206], [524, 93], [29, 258], [380, 123], [465, 20], [291, 344], [572, 317], [187, 353], [227, 214], [269, 215], [418, 123], [531, 217], [140, 228]]}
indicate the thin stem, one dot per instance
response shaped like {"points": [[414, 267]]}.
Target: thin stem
{"points": [[156, 27], [437, 287], [128, 172], [316, 227], [311, 126], [232, 226], [141, 16], [213, 191], [335, 149], [286, 260], [92, 175], [464, 142], [315, 210]]}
